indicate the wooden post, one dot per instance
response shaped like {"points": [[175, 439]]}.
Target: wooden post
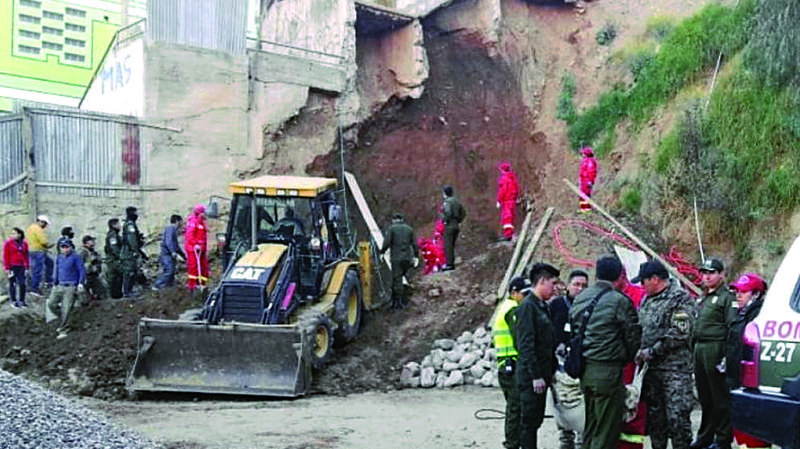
{"points": [[532, 245], [501, 291], [633, 237], [30, 169]]}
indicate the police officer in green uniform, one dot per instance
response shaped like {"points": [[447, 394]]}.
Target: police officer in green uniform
{"points": [[131, 251], [113, 250], [400, 239], [716, 311], [92, 265], [503, 338], [535, 338], [667, 316], [610, 341], [453, 214]]}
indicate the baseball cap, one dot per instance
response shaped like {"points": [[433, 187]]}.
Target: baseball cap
{"points": [[86, 238], [43, 218], [650, 268], [749, 282], [712, 264], [520, 284]]}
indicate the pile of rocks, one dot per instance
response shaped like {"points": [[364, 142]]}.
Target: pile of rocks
{"points": [[469, 359]]}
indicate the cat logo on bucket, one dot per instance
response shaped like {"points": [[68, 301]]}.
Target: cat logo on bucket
{"points": [[247, 273]]}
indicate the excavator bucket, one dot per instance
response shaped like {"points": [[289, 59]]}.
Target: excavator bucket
{"points": [[239, 358]]}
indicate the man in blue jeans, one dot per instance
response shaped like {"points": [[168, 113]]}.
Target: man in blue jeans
{"points": [[69, 278], [169, 249], [38, 244]]}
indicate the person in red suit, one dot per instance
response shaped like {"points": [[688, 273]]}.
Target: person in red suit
{"points": [[195, 242], [632, 431], [507, 192], [588, 176], [16, 263]]}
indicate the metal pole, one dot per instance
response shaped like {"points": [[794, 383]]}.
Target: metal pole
{"points": [[697, 228]]}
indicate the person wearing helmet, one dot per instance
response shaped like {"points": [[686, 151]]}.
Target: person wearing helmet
{"points": [[588, 175], [195, 242], [507, 192], [38, 245]]}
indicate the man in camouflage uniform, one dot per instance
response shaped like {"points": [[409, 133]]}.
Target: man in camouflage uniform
{"points": [[92, 265], [132, 241], [113, 250], [400, 239], [667, 318], [453, 214], [716, 311]]}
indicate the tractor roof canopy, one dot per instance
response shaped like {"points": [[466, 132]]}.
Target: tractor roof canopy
{"points": [[300, 186]]}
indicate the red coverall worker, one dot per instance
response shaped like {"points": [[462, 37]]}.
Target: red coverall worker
{"points": [[507, 192], [632, 433], [588, 175], [195, 242]]}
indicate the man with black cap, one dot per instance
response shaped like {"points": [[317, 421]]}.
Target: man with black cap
{"points": [[92, 265], [536, 343], [114, 261], [716, 310], [610, 341], [453, 214], [68, 279], [403, 244], [503, 338], [667, 317], [132, 241]]}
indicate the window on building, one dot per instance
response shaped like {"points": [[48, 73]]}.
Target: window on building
{"points": [[30, 3], [53, 31], [29, 34], [75, 28], [74, 58], [29, 19], [75, 42], [52, 46], [76, 12], [52, 15], [28, 49]]}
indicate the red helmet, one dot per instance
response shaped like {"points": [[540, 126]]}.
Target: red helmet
{"points": [[749, 282], [587, 151], [504, 167]]}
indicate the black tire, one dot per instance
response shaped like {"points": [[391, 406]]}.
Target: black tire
{"points": [[317, 329], [348, 309]]}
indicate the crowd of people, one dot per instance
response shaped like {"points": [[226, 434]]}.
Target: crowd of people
{"points": [[76, 274], [655, 329]]}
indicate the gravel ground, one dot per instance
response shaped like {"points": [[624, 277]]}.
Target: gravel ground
{"points": [[32, 417]]}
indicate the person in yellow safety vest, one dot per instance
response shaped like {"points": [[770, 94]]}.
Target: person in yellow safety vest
{"points": [[503, 337]]}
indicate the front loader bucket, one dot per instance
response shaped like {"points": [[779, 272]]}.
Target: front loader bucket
{"points": [[192, 356]]}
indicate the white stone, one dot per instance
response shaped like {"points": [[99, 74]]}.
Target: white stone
{"points": [[427, 378], [444, 343], [426, 361], [455, 355], [480, 332], [412, 367], [441, 376], [467, 360], [437, 358], [477, 371], [450, 366], [455, 378], [465, 337]]}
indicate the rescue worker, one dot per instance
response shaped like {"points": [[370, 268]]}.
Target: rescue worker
{"points": [[588, 175], [16, 264], [400, 239], [667, 317], [41, 263], [114, 261], [535, 340], [610, 340], [453, 214], [170, 251], [750, 289], [68, 280], [195, 242], [507, 192], [93, 266], [559, 306], [716, 310], [131, 253], [632, 434], [503, 338]]}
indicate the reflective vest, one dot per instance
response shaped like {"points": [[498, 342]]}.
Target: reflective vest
{"points": [[501, 333]]}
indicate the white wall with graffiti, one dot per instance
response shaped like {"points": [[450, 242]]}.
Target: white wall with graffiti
{"points": [[118, 86]]}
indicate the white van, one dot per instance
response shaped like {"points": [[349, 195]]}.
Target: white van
{"points": [[768, 404]]}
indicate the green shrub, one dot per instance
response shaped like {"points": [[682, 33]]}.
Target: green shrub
{"points": [[606, 34], [632, 200], [774, 51], [566, 100], [668, 151]]}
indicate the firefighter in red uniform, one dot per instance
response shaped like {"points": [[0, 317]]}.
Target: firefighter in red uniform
{"points": [[195, 241], [507, 192], [588, 175], [632, 433]]}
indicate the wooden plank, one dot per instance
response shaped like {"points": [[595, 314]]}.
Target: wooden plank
{"points": [[501, 291], [636, 240], [532, 245], [13, 182], [374, 230]]}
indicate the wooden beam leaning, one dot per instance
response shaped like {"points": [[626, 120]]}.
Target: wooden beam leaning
{"points": [[534, 240], [501, 291], [636, 240], [372, 225]]}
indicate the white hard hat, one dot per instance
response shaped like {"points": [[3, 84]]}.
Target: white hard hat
{"points": [[43, 218]]}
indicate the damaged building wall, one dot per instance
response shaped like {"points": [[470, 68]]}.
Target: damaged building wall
{"points": [[480, 19]]}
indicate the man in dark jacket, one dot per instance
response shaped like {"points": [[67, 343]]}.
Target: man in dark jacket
{"points": [[131, 253], [610, 340], [92, 265], [559, 310], [536, 343], [453, 214], [68, 280], [400, 239], [716, 311], [170, 249], [113, 250]]}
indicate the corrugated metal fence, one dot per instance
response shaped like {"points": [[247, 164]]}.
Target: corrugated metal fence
{"points": [[12, 159], [213, 24]]}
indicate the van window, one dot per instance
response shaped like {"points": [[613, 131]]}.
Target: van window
{"points": [[794, 301]]}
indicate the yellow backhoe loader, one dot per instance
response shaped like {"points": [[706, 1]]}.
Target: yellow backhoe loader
{"points": [[288, 293]]}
